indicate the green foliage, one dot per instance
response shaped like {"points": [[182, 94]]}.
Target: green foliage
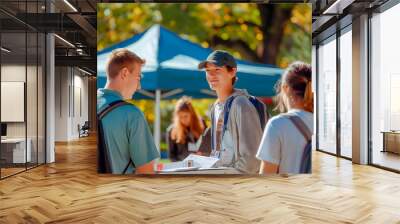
{"points": [[297, 41], [202, 23]]}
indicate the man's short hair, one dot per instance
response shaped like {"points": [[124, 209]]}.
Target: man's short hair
{"points": [[230, 69], [119, 59]]}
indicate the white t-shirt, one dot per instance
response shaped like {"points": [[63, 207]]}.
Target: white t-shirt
{"points": [[218, 108], [282, 143]]}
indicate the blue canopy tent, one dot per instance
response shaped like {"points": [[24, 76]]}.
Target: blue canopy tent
{"points": [[171, 69]]}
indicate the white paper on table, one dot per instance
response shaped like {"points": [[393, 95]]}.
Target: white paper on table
{"points": [[179, 169], [174, 165], [192, 147], [201, 161]]}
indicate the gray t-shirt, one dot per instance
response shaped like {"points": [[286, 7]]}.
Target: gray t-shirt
{"points": [[282, 143]]}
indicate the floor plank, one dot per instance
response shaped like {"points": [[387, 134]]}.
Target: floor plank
{"points": [[70, 191]]}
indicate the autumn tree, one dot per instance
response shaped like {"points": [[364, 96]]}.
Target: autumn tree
{"points": [[264, 33]]}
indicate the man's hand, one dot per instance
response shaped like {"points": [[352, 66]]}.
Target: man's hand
{"points": [[147, 168], [268, 168]]}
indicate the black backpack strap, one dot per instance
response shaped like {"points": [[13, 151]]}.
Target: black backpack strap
{"points": [[127, 165], [227, 110], [103, 156], [103, 159], [111, 107], [261, 108]]}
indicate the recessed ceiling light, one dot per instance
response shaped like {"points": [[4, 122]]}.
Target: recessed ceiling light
{"points": [[84, 71], [5, 49], [338, 6], [70, 5], [64, 40]]}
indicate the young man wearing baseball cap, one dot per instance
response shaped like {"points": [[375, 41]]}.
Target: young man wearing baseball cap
{"points": [[236, 128]]}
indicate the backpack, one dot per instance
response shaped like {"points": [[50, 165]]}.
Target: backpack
{"points": [[260, 107], [305, 165], [103, 158]]}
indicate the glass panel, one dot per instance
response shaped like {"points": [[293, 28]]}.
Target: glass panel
{"points": [[385, 85], [327, 96], [32, 96], [14, 152], [13, 86], [23, 87], [32, 84], [346, 94]]}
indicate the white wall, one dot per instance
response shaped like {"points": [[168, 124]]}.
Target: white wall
{"points": [[61, 103], [80, 100], [70, 83]]}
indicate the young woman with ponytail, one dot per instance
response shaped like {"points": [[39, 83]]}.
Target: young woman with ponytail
{"points": [[282, 146]]}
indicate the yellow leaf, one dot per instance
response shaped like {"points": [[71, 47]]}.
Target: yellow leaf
{"points": [[243, 27], [205, 44], [259, 36]]}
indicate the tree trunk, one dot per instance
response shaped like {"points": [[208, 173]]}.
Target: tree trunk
{"points": [[274, 20]]}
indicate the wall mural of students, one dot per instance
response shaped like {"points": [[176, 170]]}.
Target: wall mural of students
{"points": [[286, 143], [237, 119], [186, 129], [125, 143]]}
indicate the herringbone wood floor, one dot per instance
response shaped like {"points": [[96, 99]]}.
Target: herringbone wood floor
{"points": [[70, 191]]}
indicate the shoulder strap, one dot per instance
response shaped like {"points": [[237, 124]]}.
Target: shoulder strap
{"points": [[127, 165], [227, 110], [212, 127], [261, 110], [301, 126], [305, 165], [259, 106], [107, 110], [111, 107]]}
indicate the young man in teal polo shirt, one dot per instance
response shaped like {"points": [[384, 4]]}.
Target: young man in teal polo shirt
{"points": [[126, 133]]}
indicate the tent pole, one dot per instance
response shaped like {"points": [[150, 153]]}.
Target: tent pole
{"points": [[157, 120]]}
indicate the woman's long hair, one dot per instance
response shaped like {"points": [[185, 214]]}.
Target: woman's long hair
{"points": [[179, 132], [298, 77]]}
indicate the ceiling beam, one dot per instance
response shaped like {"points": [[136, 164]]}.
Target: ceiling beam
{"points": [[76, 61]]}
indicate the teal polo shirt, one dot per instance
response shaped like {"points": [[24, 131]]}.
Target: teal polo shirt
{"points": [[126, 134]]}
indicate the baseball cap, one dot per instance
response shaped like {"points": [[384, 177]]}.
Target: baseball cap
{"points": [[219, 58]]}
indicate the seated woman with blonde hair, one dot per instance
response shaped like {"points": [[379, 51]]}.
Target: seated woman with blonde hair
{"points": [[186, 129], [286, 143]]}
